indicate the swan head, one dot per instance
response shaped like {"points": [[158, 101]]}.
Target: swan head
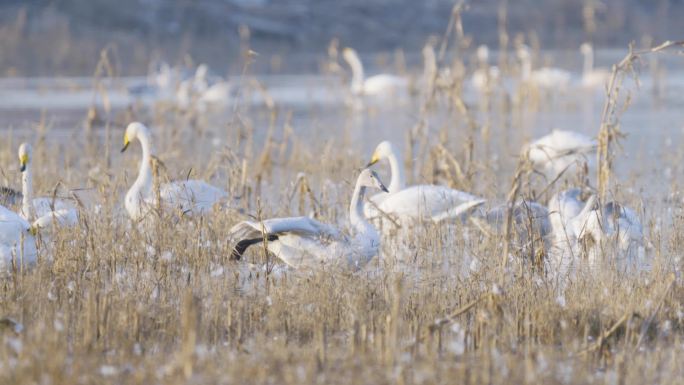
{"points": [[586, 48], [482, 53], [369, 178], [25, 155], [523, 53], [133, 131], [383, 151], [349, 54]]}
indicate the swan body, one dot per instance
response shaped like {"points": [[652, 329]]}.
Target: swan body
{"points": [[382, 85], [545, 77], [217, 94], [189, 197], [303, 242], [560, 151], [17, 243], [421, 203], [42, 211], [415, 203], [592, 77]]}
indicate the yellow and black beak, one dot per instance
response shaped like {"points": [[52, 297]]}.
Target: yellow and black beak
{"points": [[126, 143], [23, 161], [374, 160]]}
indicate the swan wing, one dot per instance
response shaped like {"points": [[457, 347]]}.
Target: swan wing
{"points": [[429, 202], [291, 239]]}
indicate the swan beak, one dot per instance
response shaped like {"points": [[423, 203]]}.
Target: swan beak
{"points": [[23, 161], [126, 143], [33, 230], [374, 159]]}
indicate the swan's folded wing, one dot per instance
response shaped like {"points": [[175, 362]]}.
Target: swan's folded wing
{"points": [[191, 196], [429, 202]]}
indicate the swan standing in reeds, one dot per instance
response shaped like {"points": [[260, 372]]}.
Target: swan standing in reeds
{"points": [[382, 85], [188, 197], [583, 228], [41, 211], [303, 242], [545, 77], [485, 75], [560, 151], [415, 203], [592, 77]]}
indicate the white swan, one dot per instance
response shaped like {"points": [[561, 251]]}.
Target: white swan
{"points": [[42, 211], [382, 85], [415, 203], [545, 77], [592, 77], [485, 75], [189, 197], [560, 151], [598, 224], [306, 242], [17, 243], [582, 226]]}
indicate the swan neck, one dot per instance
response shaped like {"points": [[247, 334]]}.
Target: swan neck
{"points": [[588, 206], [27, 193], [397, 181], [144, 181], [357, 71], [356, 217]]}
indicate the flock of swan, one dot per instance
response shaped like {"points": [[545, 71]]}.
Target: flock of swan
{"points": [[199, 89], [574, 224]]}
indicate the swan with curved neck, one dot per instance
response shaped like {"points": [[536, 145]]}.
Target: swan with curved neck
{"points": [[41, 211], [415, 203], [188, 197], [592, 77], [377, 85], [306, 242]]}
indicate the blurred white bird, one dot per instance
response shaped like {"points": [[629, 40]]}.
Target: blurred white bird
{"points": [[592, 77], [561, 151], [381, 85]]}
